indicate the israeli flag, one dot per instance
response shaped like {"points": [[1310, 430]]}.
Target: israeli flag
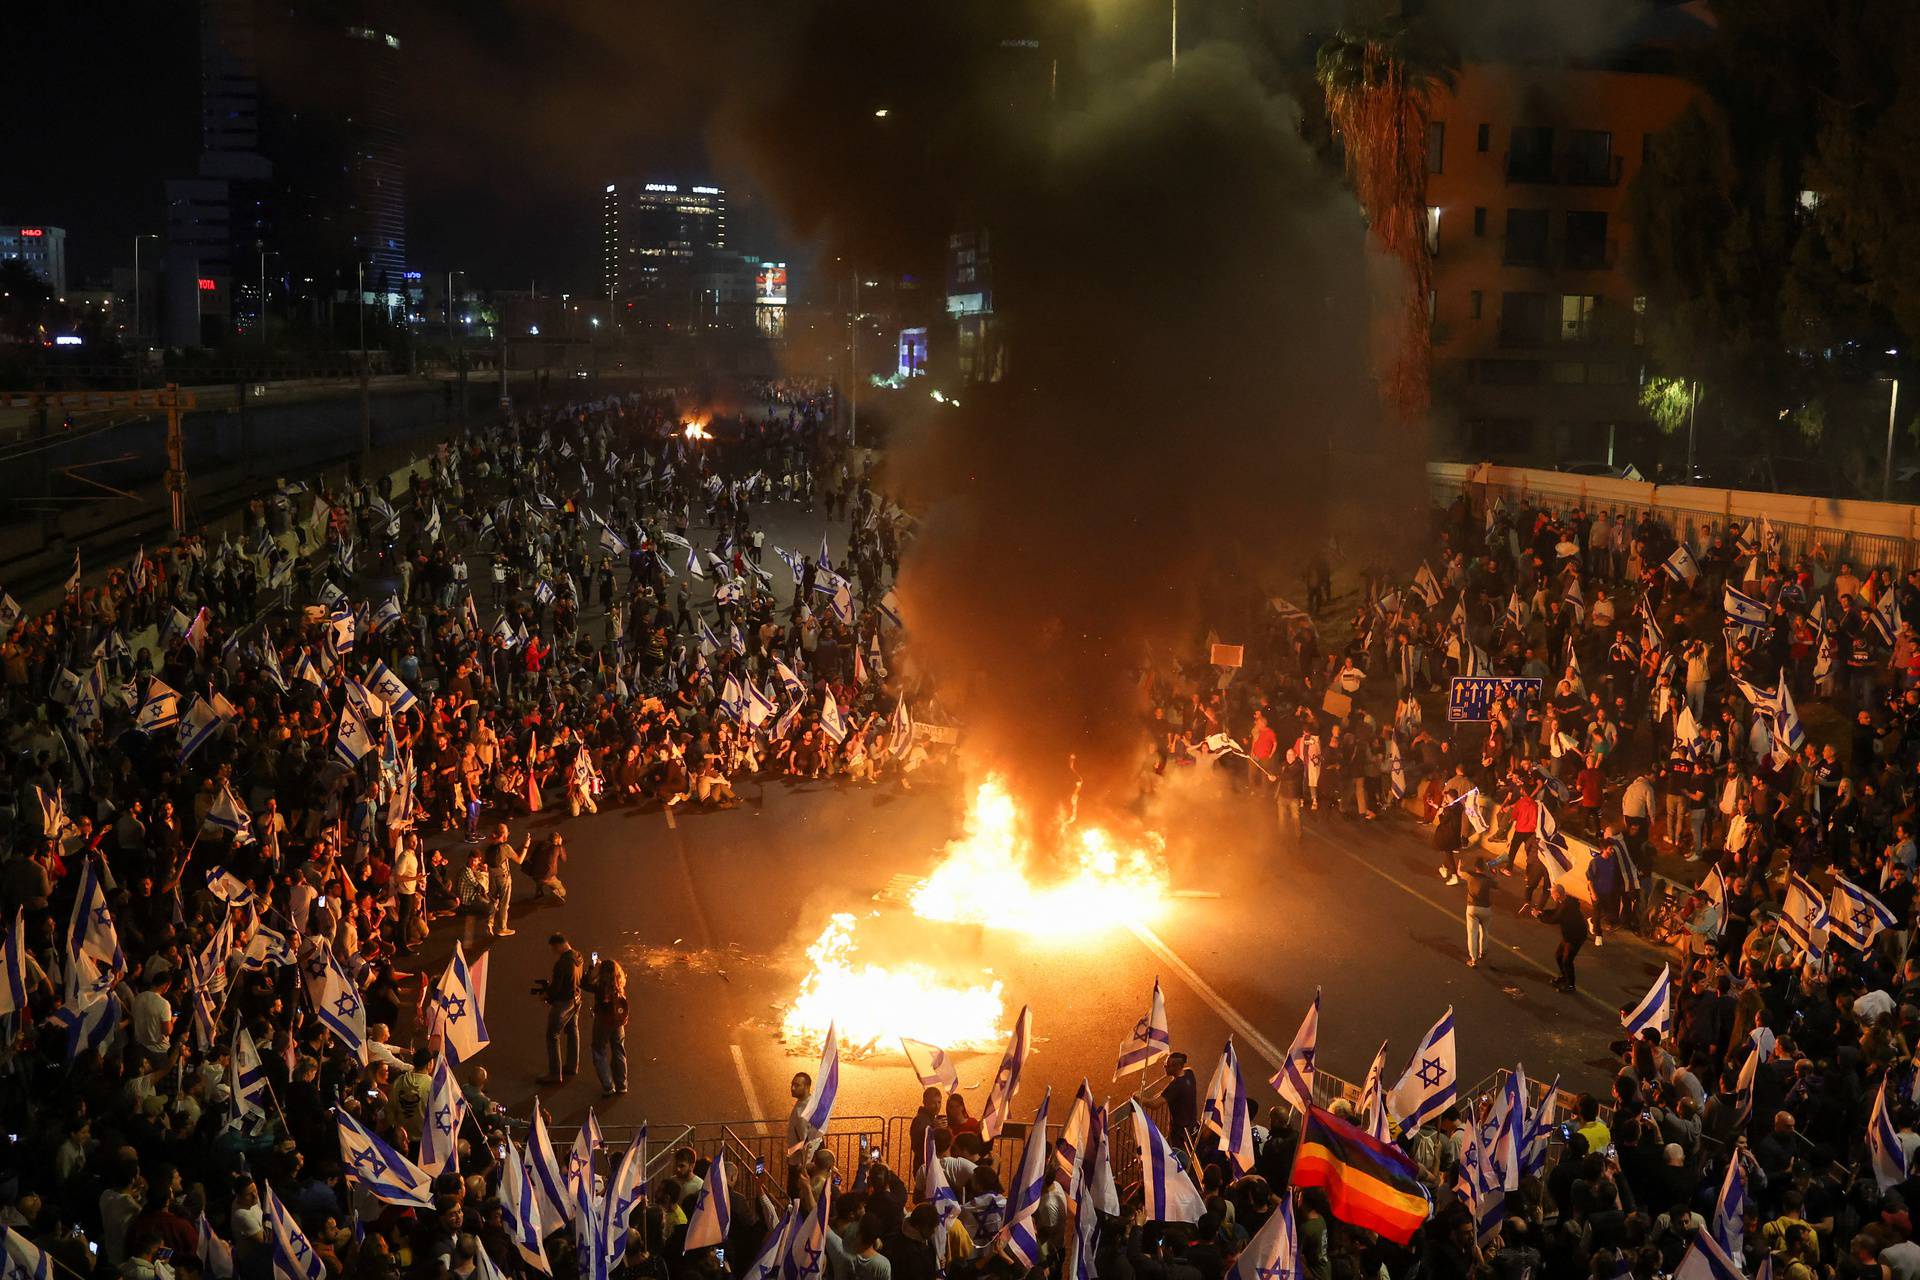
{"points": [[732, 701], [807, 1242], [304, 668], [199, 724], [1373, 1099], [1274, 1251], [1681, 566], [1294, 1080], [1170, 1193], [160, 710], [1729, 1224], [543, 591], [228, 887], [624, 1194], [693, 566], [550, 1185], [1150, 1040], [390, 688], [1006, 1081], [818, 1107], [789, 681], [889, 607], [1075, 1133], [1803, 916], [1787, 728], [1396, 769], [931, 1065], [1885, 616], [387, 614], [728, 593], [387, 1175], [1655, 1010], [1228, 1110], [822, 559], [1742, 610], [669, 538], [713, 1211], [456, 1011], [249, 1091], [90, 927], [1427, 585], [335, 1001], [900, 738], [353, 741], [1021, 1236], [216, 1256], [293, 1255], [1533, 1156], [1510, 1139], [89, 1013], [227, 815], [1888, 1156], [935, 1190], [784, 725], [520, 1211], [1855, 916], [446, 1111], [830, 722], [611, 542], [842, 605], [1431, 1081], [759, 706]]}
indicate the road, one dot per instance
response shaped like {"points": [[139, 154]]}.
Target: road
{"points": [[710, 914]]}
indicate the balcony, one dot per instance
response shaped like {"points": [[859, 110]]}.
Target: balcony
{"points": [[1583, 170], [1590, 255], [1530, 167]]}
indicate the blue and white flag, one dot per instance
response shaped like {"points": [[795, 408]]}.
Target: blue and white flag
{"points": [[13, 966], [520, 1210], [589, 1229], [1228, 1110], [549, 1182], [446, 1112], [1020, 1237], [305, 668], [387, 1175], [693, 566], [227, 815], [1510, 1137], [1294, 1080], [817, 1109], [612, 543], [806, 1254], [1884, 1149], [936, 1191], [1787, 728], [216, 1256], [390, 688], [249, 1092], [1533, 1159], [90, 927], [1170, 1193], [1855, 916], [89, 1011], [335, 1001], [789, 681], [455, 1010], [159, 710], [1729, 1221], [197, 726], [1076, 1133], [341, 631], [1006, 1080], [759, 706], [1681, 566], [353, 741], [1655, 1010], [1373, 1101], [624, 1194], [387, 614], [1151, 1039], [293, 1255], [578, 1172], [1742, 610], [543, 591], [1706, 1260], [831, 723], [1803, 916], [932, 1065], [713, 1211], [1274, 1251]]}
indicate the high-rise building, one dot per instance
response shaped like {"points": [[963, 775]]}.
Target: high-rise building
{"points": [[302, 167], [657, 235], [42, 250]]}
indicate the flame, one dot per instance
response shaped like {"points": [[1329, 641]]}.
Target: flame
{"points": [[872, 1006], [983, 879], [695, 428]]}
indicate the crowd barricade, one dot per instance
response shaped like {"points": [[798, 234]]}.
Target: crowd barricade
{"points": [[1869, 534]]}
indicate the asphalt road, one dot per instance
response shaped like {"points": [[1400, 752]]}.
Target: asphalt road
{"points": [[710, 914]]}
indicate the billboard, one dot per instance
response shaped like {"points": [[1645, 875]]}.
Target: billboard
{"points": [[770, 285], [1472, 697]]}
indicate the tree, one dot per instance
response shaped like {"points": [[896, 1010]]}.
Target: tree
{"points": [[1378, 82]]}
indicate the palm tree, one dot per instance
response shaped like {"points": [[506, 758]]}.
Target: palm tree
{"points": [[1379, 82]]}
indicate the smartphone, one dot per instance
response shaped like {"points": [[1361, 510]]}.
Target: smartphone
{"points": [[760, 1165], [720, 1256], [162, 1254], [93, 1247], [1613, 1151], [596, 957], [322, 899]]}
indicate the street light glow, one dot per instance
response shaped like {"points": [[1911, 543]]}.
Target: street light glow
{"points": [[880, 113]]}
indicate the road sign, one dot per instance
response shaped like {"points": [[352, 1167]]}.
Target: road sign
{"points": [[1472, 697]]}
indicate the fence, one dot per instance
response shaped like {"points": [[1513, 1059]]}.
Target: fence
{"points": [[1869, 534]]}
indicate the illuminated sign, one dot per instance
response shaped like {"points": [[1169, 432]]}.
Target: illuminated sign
{"points": [[661, 186], [1472, 697], [208, 284], [410, 275], [609, 186], [66, 340], [706, 191], [32, 231], [770, 284]]}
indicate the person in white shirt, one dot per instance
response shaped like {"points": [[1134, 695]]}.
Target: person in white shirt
{"points": [[153, 1016]]}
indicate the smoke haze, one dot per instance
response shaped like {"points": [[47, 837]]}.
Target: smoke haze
{"points": [[1187, 402]]}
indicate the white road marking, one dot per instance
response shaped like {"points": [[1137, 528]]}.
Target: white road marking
{"points": [[1245, 1030], [671, 824], [1450, 913], [746, 1081]]}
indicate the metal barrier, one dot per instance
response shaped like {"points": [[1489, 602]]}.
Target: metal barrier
{"points": [[756, 1149]]}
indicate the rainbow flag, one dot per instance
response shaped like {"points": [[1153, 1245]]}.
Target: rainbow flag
{"points": [[1370, 1184]]}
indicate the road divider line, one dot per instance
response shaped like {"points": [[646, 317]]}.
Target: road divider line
{"points": [[746, 1081], [1457, 916], [1244, 1029]]}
